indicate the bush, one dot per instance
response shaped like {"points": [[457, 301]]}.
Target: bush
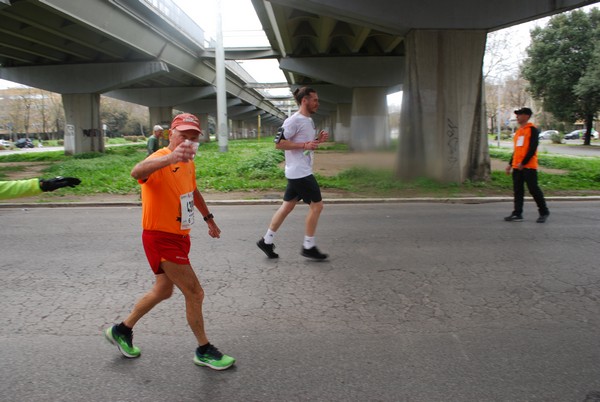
{"points": [[262, 165], [556, 138], [134, 138]]}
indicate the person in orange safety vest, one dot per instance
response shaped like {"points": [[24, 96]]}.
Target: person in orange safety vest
{"points": [[524, 164]]}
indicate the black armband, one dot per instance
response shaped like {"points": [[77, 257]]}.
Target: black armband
{"points": [[207, 217], [279, 135]]}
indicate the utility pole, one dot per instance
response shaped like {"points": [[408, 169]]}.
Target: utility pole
{"points": [[258, 123], [222, 129], [498, 116]]}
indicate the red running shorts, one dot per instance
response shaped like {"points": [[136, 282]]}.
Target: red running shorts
{"points": [[162, 246]]}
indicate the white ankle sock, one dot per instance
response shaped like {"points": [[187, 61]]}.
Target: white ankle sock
{"points": [[309, 242], [269, 237]]}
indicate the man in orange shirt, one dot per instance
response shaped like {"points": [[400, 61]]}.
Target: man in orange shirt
{"points": [[169, 194], [524, 164]]}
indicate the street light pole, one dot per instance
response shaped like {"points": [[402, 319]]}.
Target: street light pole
{"points": [[498, 116], [222, 130]]}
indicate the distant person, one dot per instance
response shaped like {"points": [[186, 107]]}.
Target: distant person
{"points": [[524, 164], [153, 141], [30, 187], [169, 194], [297, 138]]}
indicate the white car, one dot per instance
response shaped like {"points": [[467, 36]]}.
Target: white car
{"points": [[547, 135], [5, 144]]}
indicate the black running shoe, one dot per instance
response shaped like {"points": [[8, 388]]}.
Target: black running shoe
{"points": [[514, 218], [267, 248], [543, 218], [313, 253]]}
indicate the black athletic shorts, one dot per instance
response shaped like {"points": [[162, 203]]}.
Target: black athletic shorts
{"points": [[306, 189]]}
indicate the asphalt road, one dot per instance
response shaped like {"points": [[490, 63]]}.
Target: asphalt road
{"points": [[418, 302]]}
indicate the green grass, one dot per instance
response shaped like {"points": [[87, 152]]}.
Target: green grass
{"points": [[256, 165], [580, 173]]}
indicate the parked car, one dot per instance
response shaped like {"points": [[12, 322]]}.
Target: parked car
{"points": [[24, 143], [577, 134], [547, 135], [5, 144]]}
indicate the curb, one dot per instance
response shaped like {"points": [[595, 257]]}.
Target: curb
{"points": [[456, 200]]}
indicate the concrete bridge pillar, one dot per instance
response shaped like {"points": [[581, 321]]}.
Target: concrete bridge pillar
{"points": [[369, 128], [162, 115], [442, 128], [328, 124], [83, 132], [204, 127], [343, 122], [238, 129]]}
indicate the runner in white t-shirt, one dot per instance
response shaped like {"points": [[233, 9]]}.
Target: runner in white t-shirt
{"points": [[298, 138]]}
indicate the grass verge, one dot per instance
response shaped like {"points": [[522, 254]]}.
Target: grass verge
{"points": [[256, 165]]}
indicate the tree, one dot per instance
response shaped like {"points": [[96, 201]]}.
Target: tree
{"points": [[559, 58], [496, 66], [57, 116], [588, 87], [502, 93]]}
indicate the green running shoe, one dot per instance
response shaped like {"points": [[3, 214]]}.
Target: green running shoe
{"points": [[123, 342], [213, 358]]}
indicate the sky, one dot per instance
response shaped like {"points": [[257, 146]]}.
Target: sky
{"points": [[241, 28]]}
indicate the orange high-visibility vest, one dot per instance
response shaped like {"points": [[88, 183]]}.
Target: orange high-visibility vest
{"points": [[521, 142]]}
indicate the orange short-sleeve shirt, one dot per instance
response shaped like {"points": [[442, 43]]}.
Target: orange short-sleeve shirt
{"points": [[161, 195]]}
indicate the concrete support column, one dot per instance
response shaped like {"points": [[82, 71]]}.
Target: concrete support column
{"points": [[442, 128], [162, 115], [326, 124], [204, 127], [238, 130], [343, 121], [331, 126], [83, 132], [369, 127]]}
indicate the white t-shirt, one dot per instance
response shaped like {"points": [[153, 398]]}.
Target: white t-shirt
{"points": [[298, 128]]}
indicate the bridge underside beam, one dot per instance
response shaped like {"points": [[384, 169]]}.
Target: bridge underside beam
{"points": [[162, 97], [349, 72], [84, 78]]}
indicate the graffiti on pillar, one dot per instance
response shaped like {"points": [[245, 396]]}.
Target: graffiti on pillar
{"points": [[91, 132], [452, 133]]}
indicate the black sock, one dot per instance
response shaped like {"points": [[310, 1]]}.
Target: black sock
{"points": [[124, 329]]}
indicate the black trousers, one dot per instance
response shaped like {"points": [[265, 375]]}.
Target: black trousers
{"points": [[529, 176]]}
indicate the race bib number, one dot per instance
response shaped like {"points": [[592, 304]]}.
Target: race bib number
{"points": [[187, 210], [520, 141]]}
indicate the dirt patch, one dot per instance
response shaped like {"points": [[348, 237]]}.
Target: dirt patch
{"points": [[27, 170], [331, 163]]}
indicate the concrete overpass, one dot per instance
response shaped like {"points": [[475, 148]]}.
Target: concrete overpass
{"points": [[142, 51], [354, 52]]}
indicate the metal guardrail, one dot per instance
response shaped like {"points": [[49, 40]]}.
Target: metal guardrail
{"points": [[171, 12]]}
